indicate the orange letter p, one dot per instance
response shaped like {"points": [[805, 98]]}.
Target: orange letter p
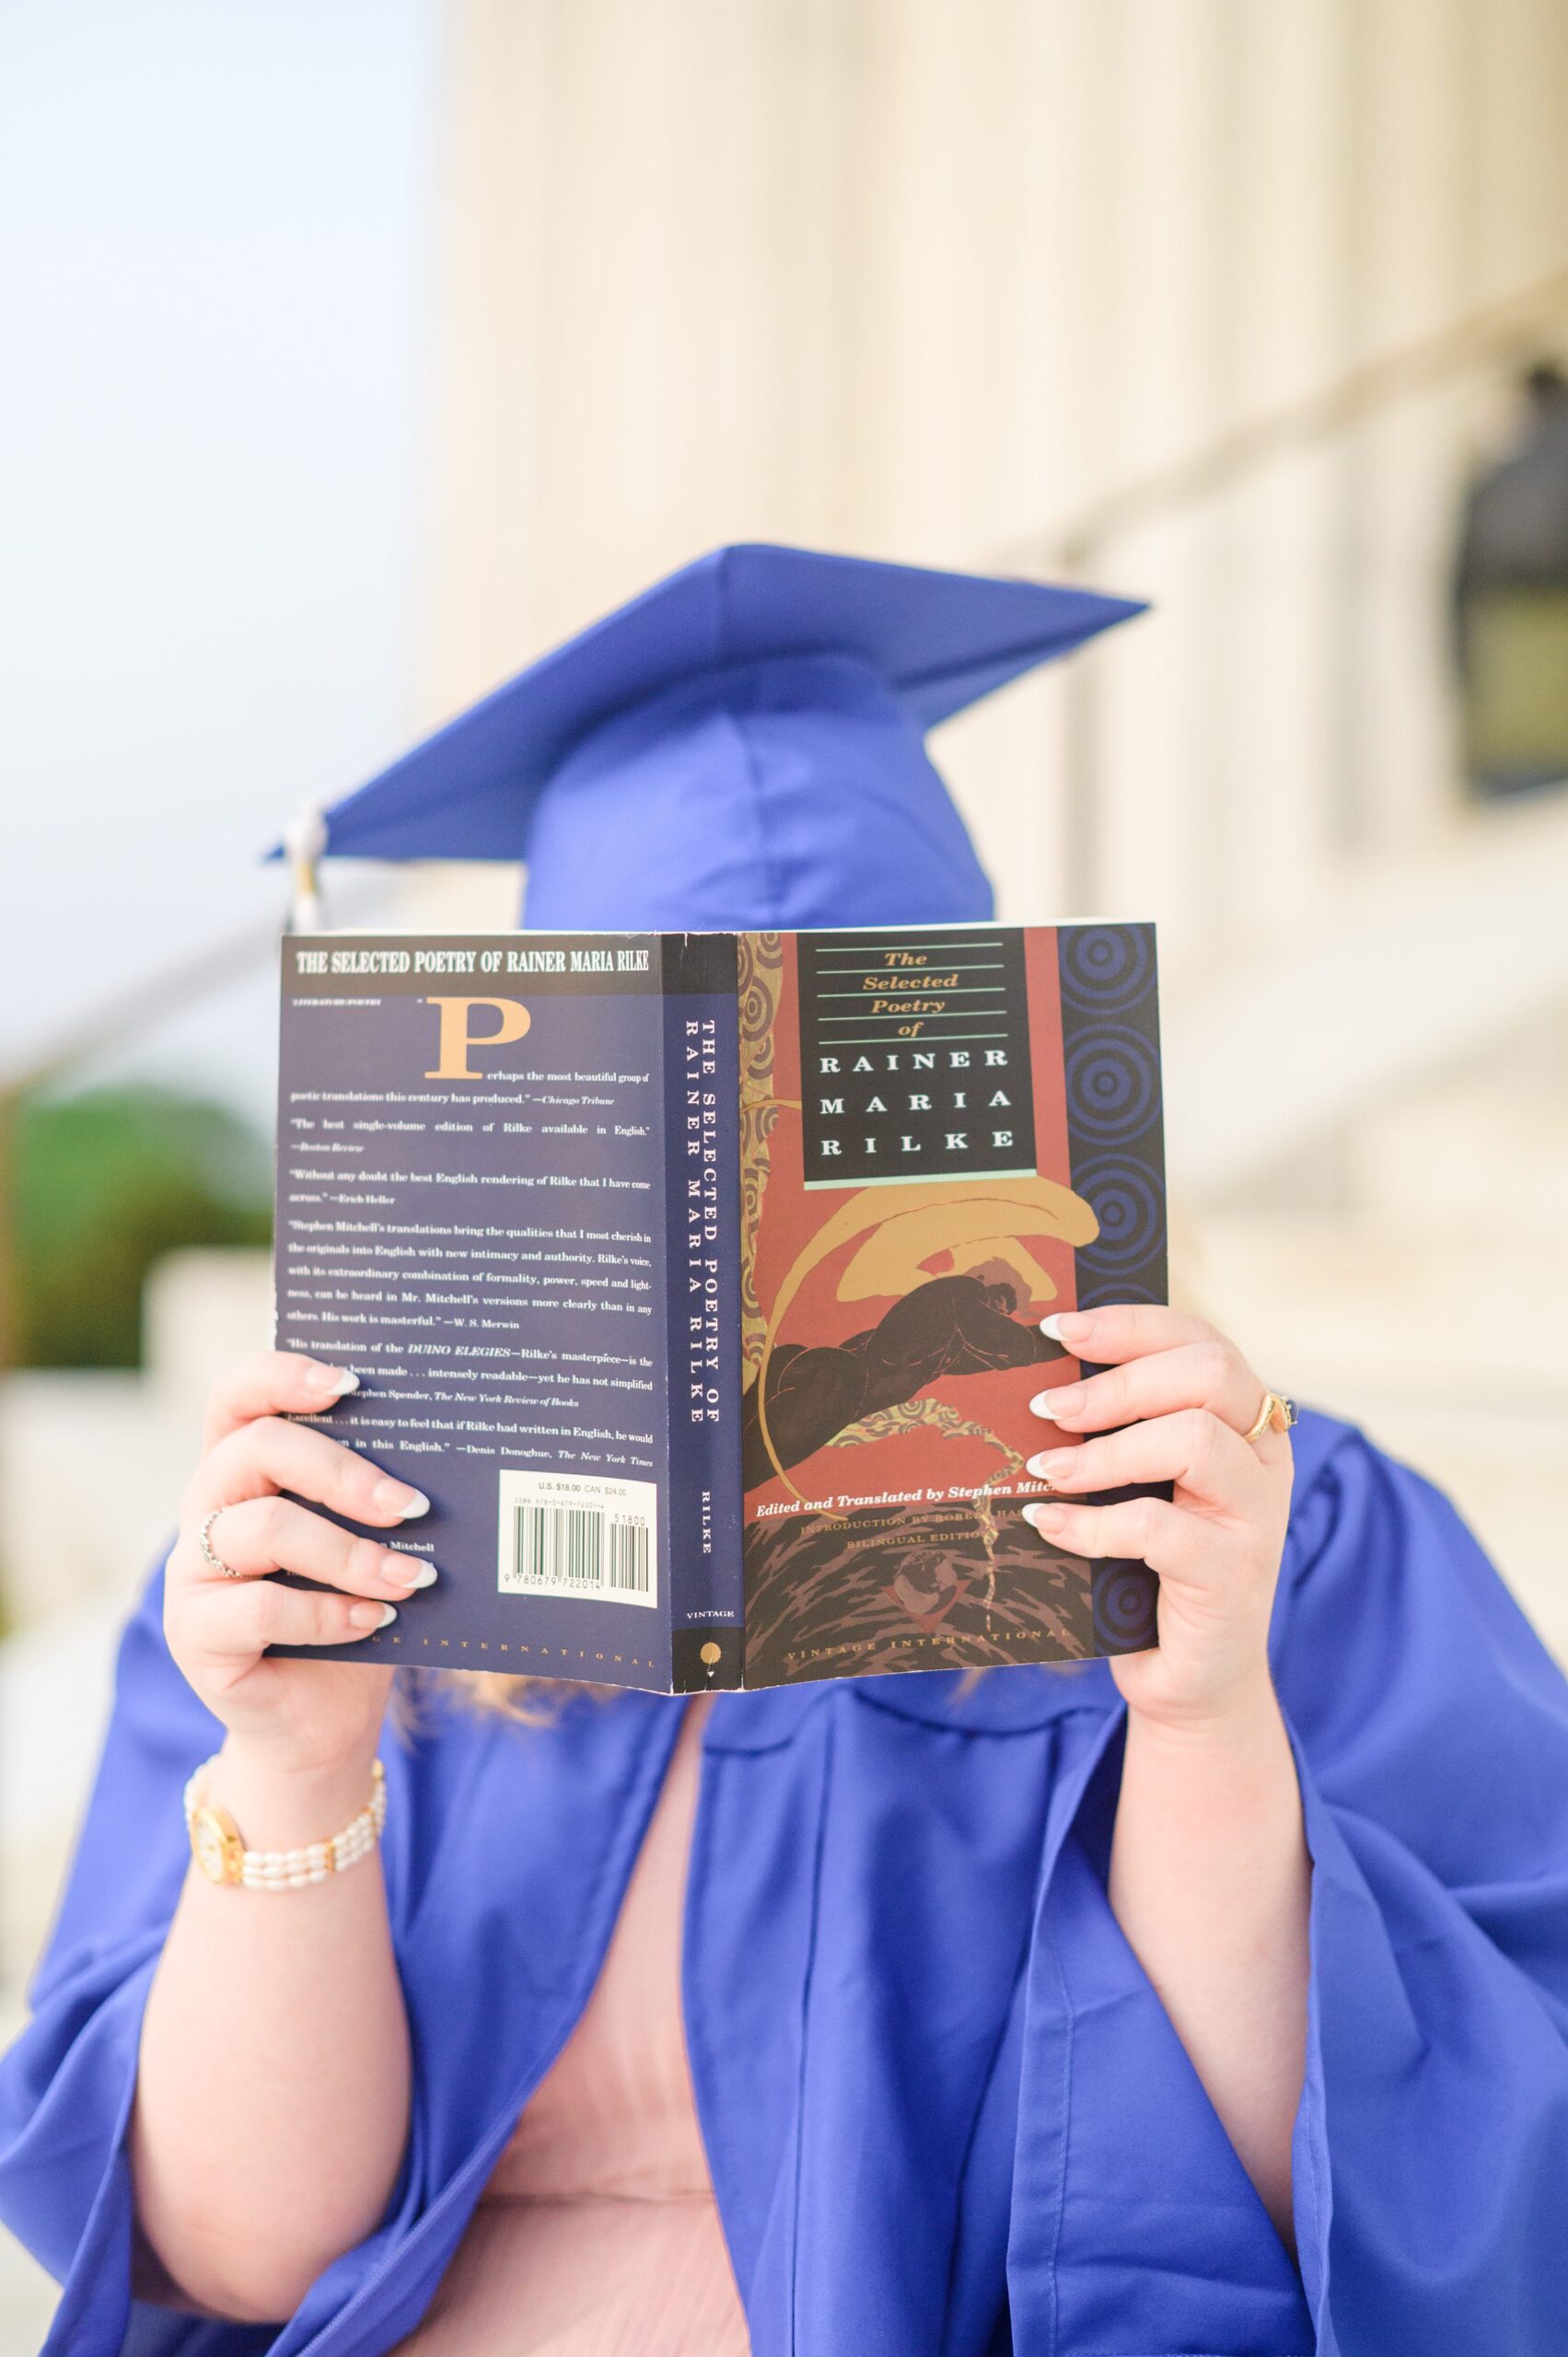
{"points": [[457, 1038]]}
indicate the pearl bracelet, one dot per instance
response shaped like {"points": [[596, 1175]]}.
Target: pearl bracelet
{"points": [[221, 1853]]}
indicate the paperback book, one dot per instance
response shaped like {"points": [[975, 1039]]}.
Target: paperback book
{"points": [[697, 1279]]}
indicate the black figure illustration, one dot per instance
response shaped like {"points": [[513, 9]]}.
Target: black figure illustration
{"points": [[959, 1325]]}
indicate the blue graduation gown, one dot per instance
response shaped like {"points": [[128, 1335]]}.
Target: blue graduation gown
{"points": [[945, 2112]]}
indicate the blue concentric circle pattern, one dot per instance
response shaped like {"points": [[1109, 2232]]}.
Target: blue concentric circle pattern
{"points": [[1125, 1604], [1105, 966], [1113, 1082], [1126, 1198], [1110, 1048]]}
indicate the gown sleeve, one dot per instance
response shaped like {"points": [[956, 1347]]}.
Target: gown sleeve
{"points": [[1430, 2158], [67, 2083], [1431, 1732]]}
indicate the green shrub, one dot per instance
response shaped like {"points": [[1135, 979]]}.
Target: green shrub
{"points": [[102, 1184]]}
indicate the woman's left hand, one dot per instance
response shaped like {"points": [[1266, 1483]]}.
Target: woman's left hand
{"points": [[1183, 1396]]}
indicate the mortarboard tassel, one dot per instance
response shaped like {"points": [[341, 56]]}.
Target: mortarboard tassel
{"points": [[304, 844]]}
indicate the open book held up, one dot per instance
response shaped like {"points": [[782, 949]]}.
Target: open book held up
{"points": [[698, 1278]]}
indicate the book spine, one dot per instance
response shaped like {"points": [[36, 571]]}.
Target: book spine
{"points": [[702, 1144]]}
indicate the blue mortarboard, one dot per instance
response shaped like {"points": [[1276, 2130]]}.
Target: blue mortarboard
{"points": [[743, 745]]}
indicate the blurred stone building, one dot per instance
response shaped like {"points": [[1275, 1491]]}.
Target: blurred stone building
{"points": [[1220, 301], [932, 283]]}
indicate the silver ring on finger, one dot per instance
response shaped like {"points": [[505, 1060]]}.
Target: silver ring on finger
{"points": [[208, 1556], [1276, 1414]]}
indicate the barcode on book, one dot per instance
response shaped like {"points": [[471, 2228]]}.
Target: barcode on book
{"points": [[578, 1535]]}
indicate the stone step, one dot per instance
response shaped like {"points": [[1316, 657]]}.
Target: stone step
{"points": [[1475, 914], [1471, 1159], [28, 2298], [55, 1685], [1428, 1315], [200, 1311], [64, 1540]]}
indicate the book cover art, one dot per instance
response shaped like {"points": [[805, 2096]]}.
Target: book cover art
{"points": [[944, 1136]]}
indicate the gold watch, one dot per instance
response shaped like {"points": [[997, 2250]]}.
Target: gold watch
{"points": [[218, 1847]]}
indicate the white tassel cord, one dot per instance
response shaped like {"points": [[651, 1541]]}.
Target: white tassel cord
{"points": [[304, 840]]}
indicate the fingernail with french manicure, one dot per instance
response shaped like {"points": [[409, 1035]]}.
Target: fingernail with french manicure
{"points": [[335, 1381], [1067, 1325], [1054, 1405], [396, 1497], [372, 1616], [411, 1570], [1052, 1463], [1045, 1517]]}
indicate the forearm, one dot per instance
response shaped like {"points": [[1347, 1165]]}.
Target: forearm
{"points": [[1211, 1882], [272, 2093]]}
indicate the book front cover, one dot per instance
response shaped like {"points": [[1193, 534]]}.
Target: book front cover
{"points": [[946, 1135]]}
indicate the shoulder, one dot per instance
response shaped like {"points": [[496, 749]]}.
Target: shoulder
{"points": [[1319, 1442], [1348, 1492], [1382, 1572]]}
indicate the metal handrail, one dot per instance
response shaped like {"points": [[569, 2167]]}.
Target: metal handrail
{"points": [[1498, 331], [140, 1006]]}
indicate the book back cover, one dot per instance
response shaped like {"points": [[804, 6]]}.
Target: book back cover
{"points": [[484, 1211]]}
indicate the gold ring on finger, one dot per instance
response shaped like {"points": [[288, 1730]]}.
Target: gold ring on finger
{"points": [[208, 1556], [1277, 1415]]}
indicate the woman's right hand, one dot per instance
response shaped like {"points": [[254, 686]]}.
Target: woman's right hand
{"points": [[298, 1714], [272, 2078]]}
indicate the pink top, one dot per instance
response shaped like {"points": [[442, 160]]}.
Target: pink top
{"points": [[597, 2235]]}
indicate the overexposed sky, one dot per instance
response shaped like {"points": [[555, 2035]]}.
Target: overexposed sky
{"points": [[214, 267]]}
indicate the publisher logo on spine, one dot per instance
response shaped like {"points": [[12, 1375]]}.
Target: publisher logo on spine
{"points": [[915, 1056]]}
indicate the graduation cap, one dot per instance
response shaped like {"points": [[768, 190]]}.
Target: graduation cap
{"points": [[743, 745]]}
